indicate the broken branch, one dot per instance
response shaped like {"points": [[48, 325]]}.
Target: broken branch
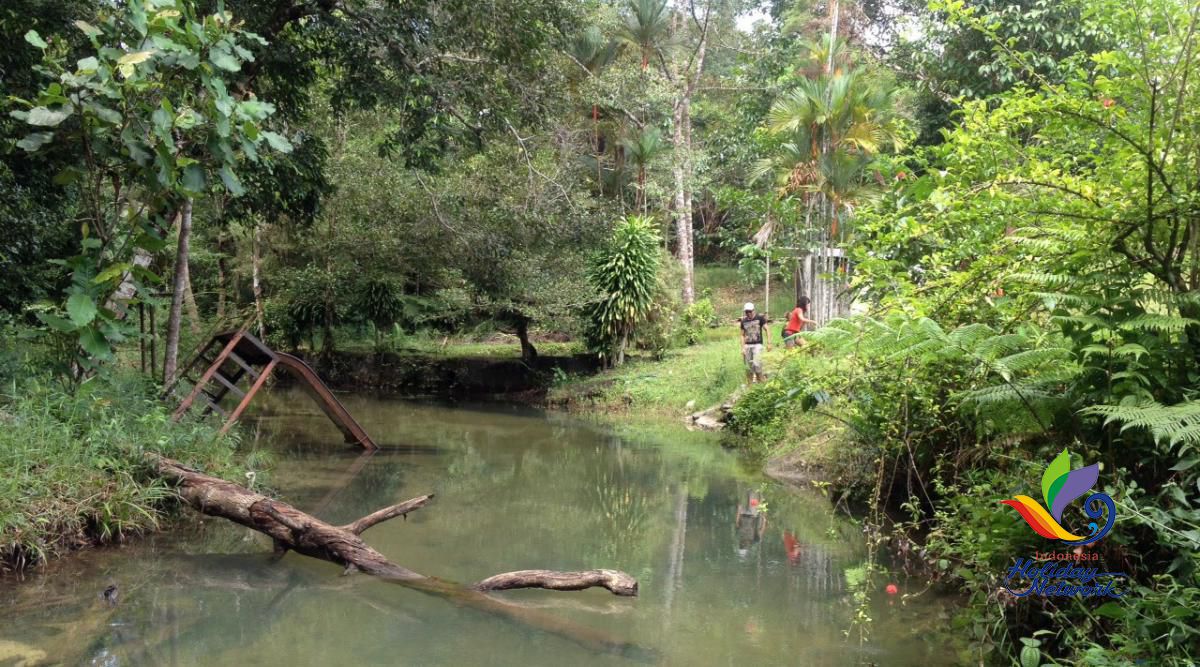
{"points": [[292, 529], [399, 509]]}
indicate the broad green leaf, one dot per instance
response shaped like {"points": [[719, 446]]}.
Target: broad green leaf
{"points": [[88, 64], [135, 57], [44, 117], [137, 16], [278, 142], [34, 141], [189, 60], [111, 272], [67, 176], [94, 343], [35, 39], [224, 60], [193, 178], [164, 43], [1110, 610], [1186, 464], [81, 309], [187, 119], [163, 122], [57, 323], [87, 28], [110, 116], [146, 275], [231, 182]]}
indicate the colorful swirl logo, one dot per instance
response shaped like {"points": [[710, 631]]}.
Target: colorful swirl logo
{"points": [[1061, 486]]}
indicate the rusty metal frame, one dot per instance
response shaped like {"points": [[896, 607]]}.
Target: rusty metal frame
{"points": [[256, 349]]}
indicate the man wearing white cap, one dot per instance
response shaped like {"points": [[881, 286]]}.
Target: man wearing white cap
{"points": [[754, 328]]}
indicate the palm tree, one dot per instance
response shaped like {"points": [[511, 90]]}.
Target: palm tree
{"points": [[834, 124], [641, 149], [645, 24], [591, 50], [594, 53]]}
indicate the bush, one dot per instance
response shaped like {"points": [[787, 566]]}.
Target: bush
{"points": [[625, 277], [697, 318], [74, 466], [659, 330]]}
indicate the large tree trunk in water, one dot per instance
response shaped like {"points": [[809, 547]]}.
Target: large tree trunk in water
{"points": [[178, 286], [291, 529]]}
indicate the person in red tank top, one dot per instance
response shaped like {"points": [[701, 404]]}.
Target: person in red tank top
{"points": [[796, 322]]}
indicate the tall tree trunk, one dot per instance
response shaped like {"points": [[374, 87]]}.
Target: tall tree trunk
{"points": [[683, 216], [528, 351], [330, 312], [689, 209], [189, 300], [255, 281], [222, 270], [686, 81], [178, 287], [599, 150]]}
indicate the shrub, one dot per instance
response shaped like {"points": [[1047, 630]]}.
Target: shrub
{"points": [[624, 275], [697, 317], [74, 467]]}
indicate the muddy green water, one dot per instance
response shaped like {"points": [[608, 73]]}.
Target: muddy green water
{"points": [[515, 489]]}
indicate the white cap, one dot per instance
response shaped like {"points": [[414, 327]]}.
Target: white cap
{"points": [[748, 306]]}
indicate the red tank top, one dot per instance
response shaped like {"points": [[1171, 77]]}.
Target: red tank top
{"points": [[793, 325]]}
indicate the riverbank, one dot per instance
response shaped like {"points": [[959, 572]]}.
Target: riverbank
{"points": [[493, 375], [74, 473]]}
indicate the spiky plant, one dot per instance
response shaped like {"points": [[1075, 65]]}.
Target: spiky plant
{"points": [[624, 276]]}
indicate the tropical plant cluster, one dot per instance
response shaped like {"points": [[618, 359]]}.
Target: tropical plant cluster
{"points": [[1030, 282]]}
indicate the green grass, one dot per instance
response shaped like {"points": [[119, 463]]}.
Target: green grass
{"points": [[704, 374], [74, 470]]}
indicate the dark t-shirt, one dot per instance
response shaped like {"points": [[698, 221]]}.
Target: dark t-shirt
{"points": [[752, 328]]}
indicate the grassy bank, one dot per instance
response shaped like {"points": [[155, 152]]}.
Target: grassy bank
{"points": [[686, 379], [74, 473]]}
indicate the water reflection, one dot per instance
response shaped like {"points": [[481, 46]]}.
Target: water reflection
{"points": [[733, 569]]}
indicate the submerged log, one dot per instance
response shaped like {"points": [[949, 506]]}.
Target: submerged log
{"points": [[617, 582], [294, 530]]}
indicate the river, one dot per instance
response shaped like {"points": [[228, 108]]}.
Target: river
{"points": [[516, 488]]}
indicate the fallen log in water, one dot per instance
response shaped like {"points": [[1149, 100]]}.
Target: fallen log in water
{"points": [[294, 530]]}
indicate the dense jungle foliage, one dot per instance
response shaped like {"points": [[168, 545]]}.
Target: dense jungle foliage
{"points": [[1001, 199]]}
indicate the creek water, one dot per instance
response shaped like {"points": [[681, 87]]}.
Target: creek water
{"points": [[516, 489]]}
